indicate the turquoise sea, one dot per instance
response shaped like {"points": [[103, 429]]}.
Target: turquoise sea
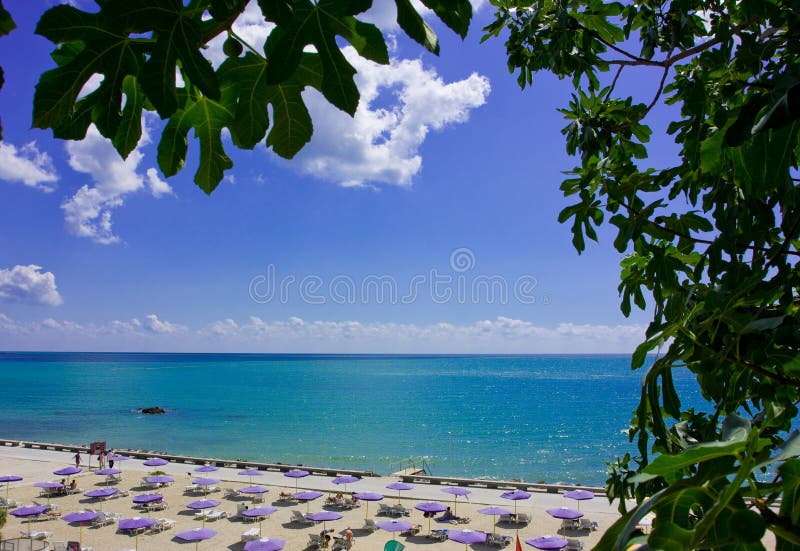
{"points": [[550, 418]]}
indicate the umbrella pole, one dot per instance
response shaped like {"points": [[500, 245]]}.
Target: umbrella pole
{"points": [[259, 527]]}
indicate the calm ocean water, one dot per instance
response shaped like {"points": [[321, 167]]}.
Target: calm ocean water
{"points": [[551, 418]]}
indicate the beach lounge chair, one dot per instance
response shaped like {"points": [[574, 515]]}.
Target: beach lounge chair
{"points": [[59, 546], [586, 524], [413, 531], [216, 514], [370, 525], [250, 535], [498, 540], [400, 511], [438, 535], [192, 488], [393, 545], [574, 545], [38, 534], [523, 518], [384, 509], [230, 493], [7, 503], [300, 518], [162, 524], [284, 496], [314, 542]]}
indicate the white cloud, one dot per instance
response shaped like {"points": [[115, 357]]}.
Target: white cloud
{"points": [[250, 26], [27, 165], [27, 284], [88, 212], [160, 327], [381, 144]]}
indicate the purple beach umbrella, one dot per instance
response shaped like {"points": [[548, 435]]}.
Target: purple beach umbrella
{"points": [[296, 474], [29, 511], [345, 479], [107, 472], [264, 544], [49, 486], [253, 490], [205, 483], [250, 473], [259, 513], [579, 495], [159, 479], [564, 513], [7, 479], [400, 487], [154, 462], [368, 496], [456, 491], [80, 517], [204, 504], [430, 507], [68, 471], [547, 543], [197, 535], [467, 537], [494, 511], [101, 492], [136, 524], [206, 469], [324, 516], [515, 496], [394, 526], [141, 499], [307, 496]]}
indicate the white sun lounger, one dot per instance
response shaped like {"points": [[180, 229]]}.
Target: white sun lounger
{"points": [[250, 535]]}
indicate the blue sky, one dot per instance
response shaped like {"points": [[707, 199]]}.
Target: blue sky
{"points": [[425, 224]]}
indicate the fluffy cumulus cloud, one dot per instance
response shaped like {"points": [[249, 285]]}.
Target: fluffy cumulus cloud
{"points": [[295, 334], [29, 285], [28, 165], [400, 104], [88, 212]]}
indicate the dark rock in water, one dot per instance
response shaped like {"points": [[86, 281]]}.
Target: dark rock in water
{"points": [[153, 410]]}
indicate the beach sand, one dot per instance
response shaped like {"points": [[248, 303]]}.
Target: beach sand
{"points": [[38, 465]]}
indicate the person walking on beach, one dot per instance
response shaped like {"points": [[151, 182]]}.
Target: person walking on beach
{"points": [[110, 457], [348, 538], [101, 459], [77, 459]]}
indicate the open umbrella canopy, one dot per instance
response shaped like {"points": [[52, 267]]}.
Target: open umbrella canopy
{"points": [[135, 523], [148, 498], [564, 513], [324, 516], [516, 495], [368, 496], [466, 536], [394, 525], [153, 462], [107, 472], [345, 479], [547, 542], [6, 478], [205, 481], [68, 471], [456, 491], [259, 512], [101, 492], [197, 534], [80, 516], [264, 544], [399, 486], [206, 469], [29, 511], [203, 504], [250, 472], [254, 490], [430, 507], [308, 495], [579, 495], [296, 473], [48, 485], [494, 511], [121, 458], [159, 479]]}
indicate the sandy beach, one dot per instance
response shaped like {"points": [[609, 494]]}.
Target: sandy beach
{"points": [[38, 465]]}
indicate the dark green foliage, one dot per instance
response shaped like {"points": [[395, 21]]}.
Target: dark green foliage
{"points": [[710, 244], [139, 47], [6, 26]]}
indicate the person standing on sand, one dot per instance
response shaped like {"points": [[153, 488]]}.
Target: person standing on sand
{"points": [[77, 459], [101, 459], [110, 457], [348, 538]]}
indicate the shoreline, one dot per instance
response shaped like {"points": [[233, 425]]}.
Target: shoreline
{"points": [[419, 477], [36, 464]]}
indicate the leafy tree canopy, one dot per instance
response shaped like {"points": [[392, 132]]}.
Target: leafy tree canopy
{"points": [[710, 241]]}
